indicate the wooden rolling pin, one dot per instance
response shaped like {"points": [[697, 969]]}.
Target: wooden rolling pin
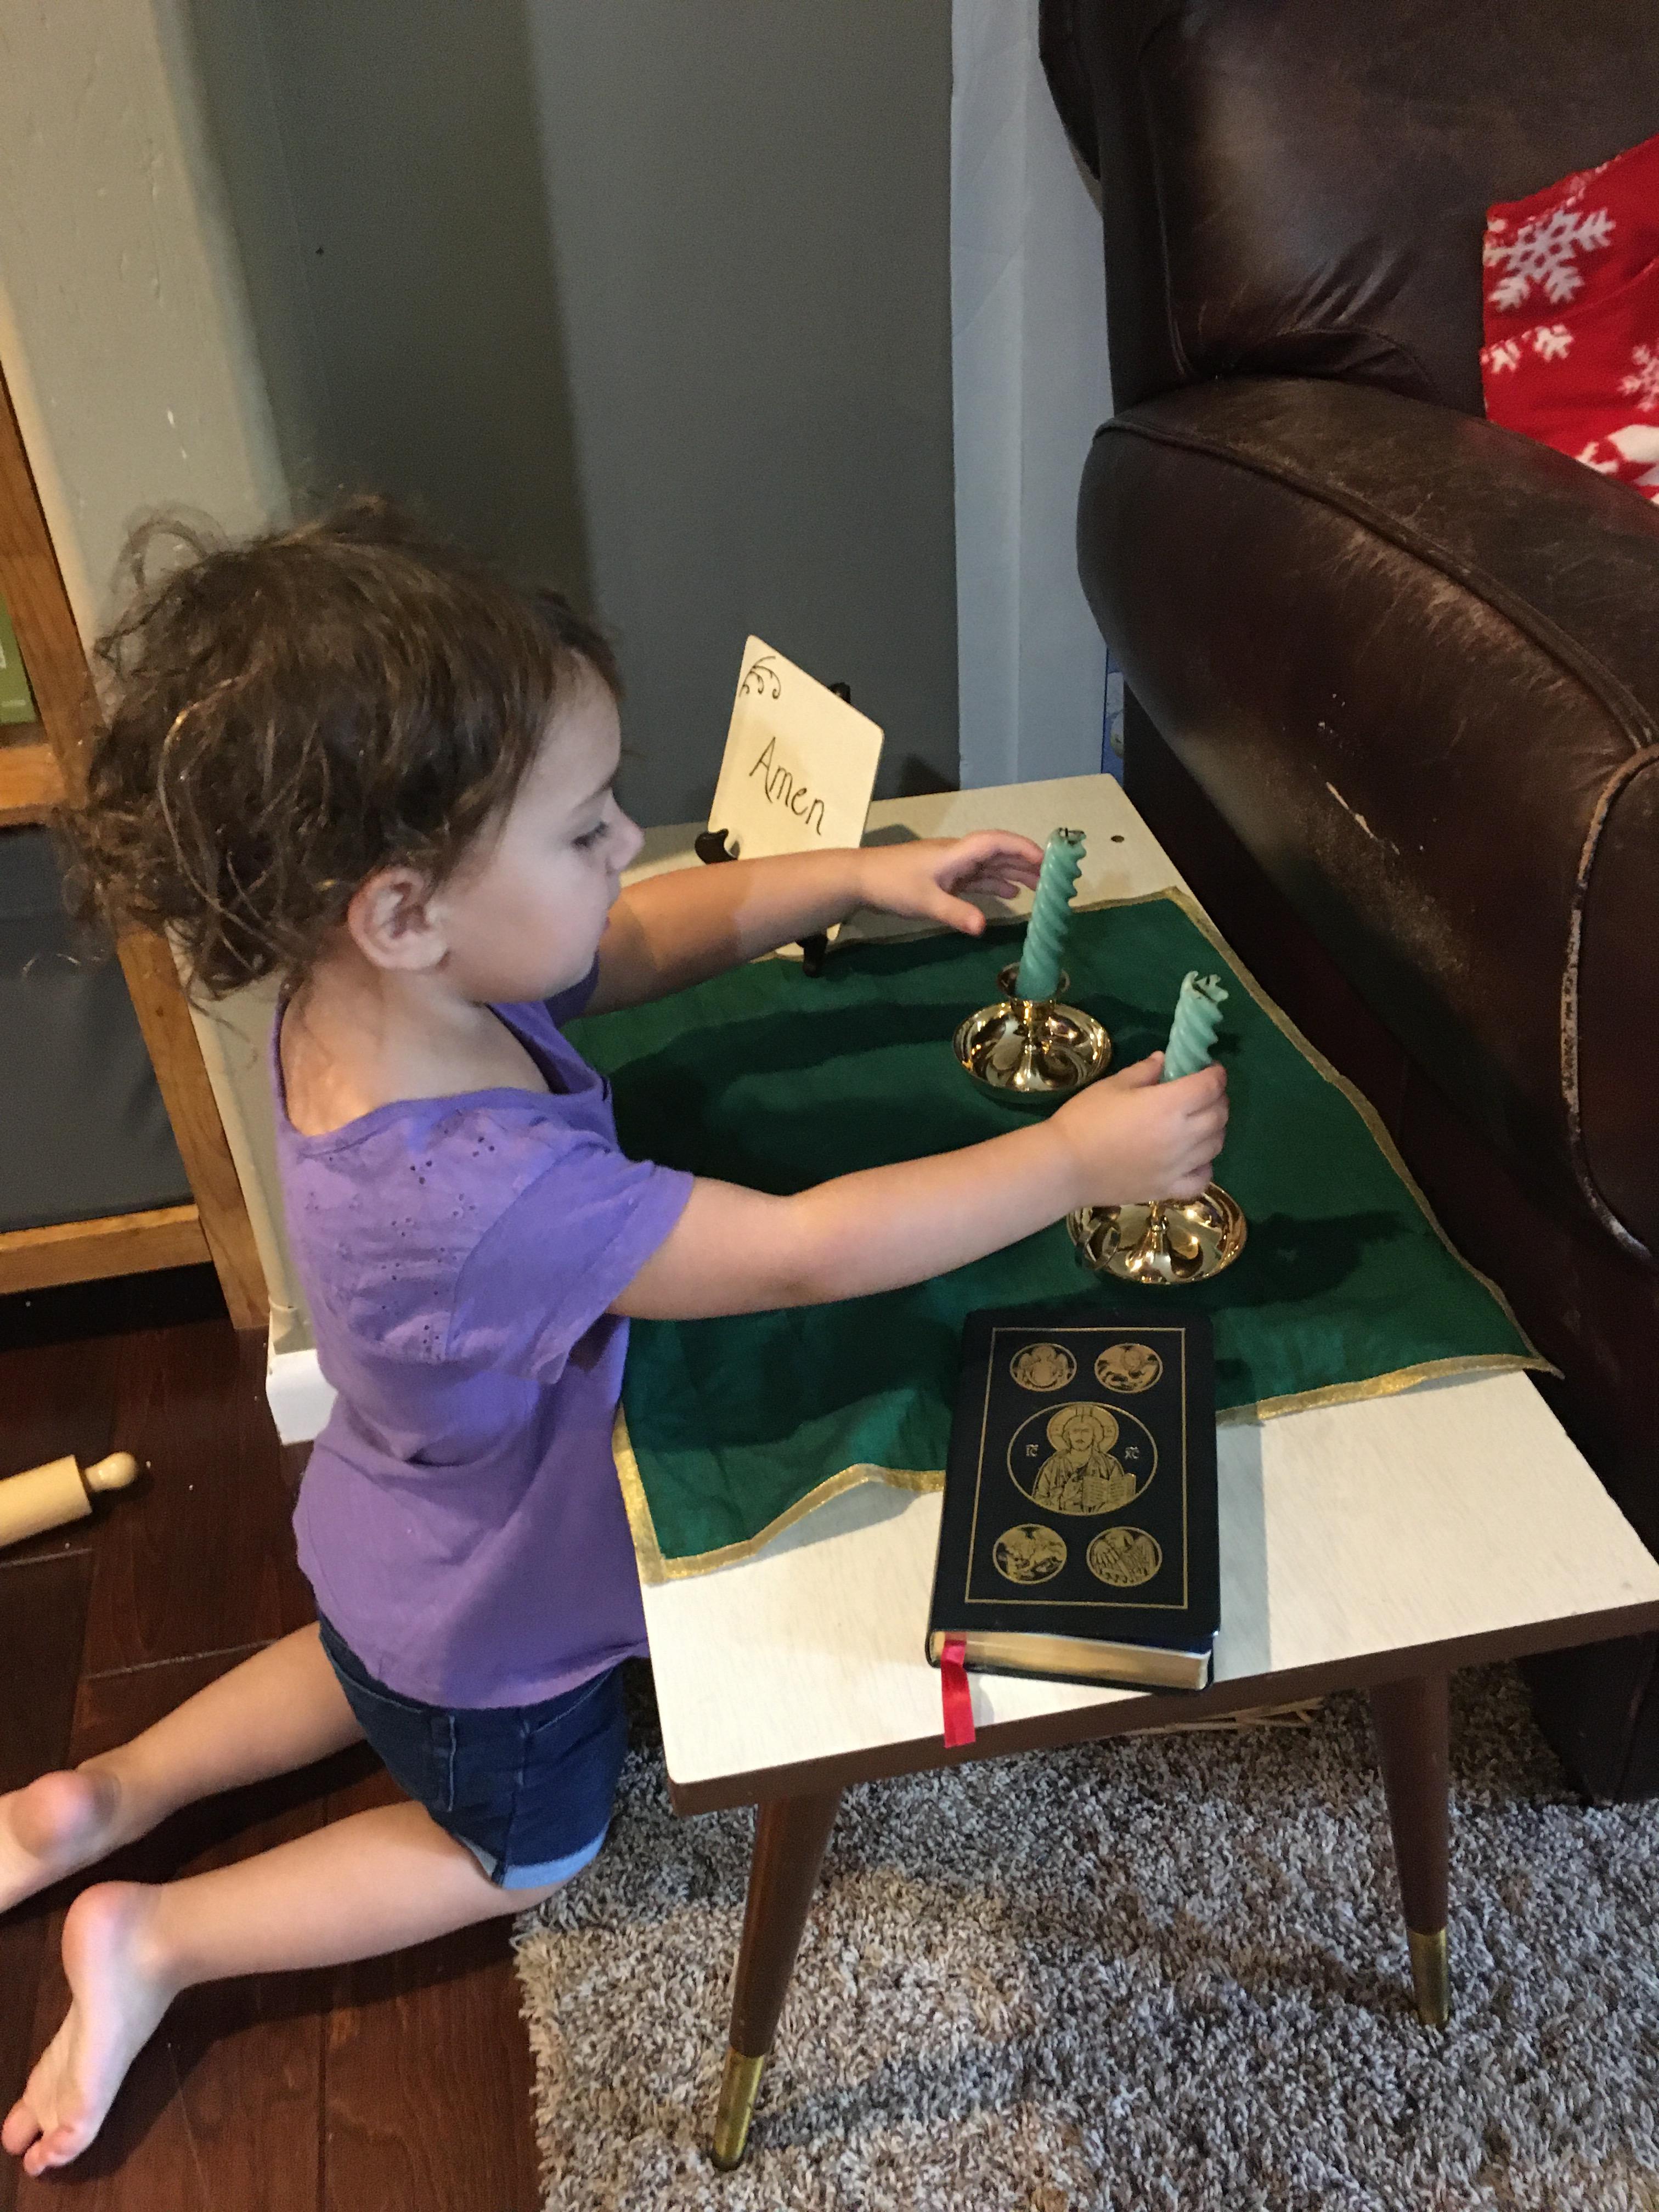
{"points": [[46, 1497]]}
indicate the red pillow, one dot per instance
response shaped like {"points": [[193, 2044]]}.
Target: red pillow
{"points": [[1571, 316]]}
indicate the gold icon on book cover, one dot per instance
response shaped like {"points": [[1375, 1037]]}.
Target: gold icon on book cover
{"points": [[1127, 1368], [1125, 1557], [1088, 1466], [1029, 1553], [1042, 1367]]}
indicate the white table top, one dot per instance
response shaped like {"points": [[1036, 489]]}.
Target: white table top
{"points": [[1453, 1513]]}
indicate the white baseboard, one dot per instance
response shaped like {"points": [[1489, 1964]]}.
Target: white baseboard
{"points": [[299, 1396]]}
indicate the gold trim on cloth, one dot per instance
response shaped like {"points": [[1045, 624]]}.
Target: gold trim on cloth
{"points": [[1386, 1386], [654, 1568]]}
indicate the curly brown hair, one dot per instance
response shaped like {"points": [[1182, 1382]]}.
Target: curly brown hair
{"points": [[284, 717]]}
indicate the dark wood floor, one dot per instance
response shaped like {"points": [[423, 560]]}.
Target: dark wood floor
{"points": [[403, 2083]]}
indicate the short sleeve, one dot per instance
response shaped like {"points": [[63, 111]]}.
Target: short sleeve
{"points": [[567, 1247]]}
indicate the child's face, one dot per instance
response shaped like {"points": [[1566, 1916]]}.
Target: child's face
{"points": [[524, 919]]}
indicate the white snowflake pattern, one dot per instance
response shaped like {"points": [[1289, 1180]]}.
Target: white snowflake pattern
{"points": [[1634, 447], [1506, 355], [1551, 341], [1644, 386], [1543, 251]]}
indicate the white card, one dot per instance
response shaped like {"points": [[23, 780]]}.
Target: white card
{"points": [[799, 768]]}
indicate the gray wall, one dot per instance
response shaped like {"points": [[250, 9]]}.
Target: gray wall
{"points": [[651, 296]]}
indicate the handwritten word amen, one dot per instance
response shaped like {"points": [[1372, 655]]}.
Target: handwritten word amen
{"points": [[782, 790]]}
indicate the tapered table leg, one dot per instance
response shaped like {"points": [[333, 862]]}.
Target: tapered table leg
{"points": [[1411, 1721], [790, 1837]]}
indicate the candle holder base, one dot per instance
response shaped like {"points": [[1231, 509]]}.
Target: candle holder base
{"points": [[1032, 1052], [1161, 1241]]}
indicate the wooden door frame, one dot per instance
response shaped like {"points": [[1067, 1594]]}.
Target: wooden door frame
{"points": [[37, 767]]}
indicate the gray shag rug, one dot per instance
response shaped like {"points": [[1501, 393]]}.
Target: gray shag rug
{"points": [[1160, 1972]]}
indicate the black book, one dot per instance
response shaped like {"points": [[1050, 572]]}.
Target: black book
{"points": [[1079, 1537]]}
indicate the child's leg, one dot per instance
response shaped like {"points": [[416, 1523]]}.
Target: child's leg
{"points": [[281, 1708], [376, 1882]]}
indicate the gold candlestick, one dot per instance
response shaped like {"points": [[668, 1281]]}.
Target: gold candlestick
{"points": [[1161, 1239], [1032, 1052], [1170, 1239]]}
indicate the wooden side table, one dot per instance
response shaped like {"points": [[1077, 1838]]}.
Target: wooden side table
{"points": [[1374, 1546]]}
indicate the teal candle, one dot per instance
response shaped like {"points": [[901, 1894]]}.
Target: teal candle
{"points": [[1045, 932], [1193, 1032]]}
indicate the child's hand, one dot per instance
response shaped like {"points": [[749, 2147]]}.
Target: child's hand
{"points": [[933, 878], [1136, 1137]]}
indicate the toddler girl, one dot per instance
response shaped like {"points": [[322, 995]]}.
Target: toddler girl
{"points": [[346, 755]]}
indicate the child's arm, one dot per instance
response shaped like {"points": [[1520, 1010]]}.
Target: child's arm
{"points": [[676, 929], [741, 1251]]}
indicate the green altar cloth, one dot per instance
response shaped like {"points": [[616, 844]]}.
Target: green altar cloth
{"points": [[1347, 1288]]}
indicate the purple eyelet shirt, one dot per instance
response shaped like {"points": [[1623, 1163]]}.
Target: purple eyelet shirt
{"points": [[460, 1521]]}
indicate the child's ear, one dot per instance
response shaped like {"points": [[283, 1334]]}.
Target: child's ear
{"points": [[390, 922]]}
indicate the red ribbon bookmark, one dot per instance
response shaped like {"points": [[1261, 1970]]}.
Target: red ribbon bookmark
{"points": [[953, 1688]]}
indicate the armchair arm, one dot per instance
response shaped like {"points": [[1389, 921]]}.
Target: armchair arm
{"points": [[1414, 661]]}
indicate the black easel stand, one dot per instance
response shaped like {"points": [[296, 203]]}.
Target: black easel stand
{"points": [[710, 846]]}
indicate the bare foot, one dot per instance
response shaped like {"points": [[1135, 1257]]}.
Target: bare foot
{"points": [[118, 1994], [61, 1822]]}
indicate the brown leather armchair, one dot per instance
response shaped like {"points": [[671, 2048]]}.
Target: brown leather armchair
{"points": [[1393, 672]]}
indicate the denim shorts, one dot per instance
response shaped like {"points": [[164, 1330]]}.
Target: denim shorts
{"points": [[527, 1789]]}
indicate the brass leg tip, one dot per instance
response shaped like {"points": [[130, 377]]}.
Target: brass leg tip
{"points": [[739, 2086], [1430, 1978]]}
